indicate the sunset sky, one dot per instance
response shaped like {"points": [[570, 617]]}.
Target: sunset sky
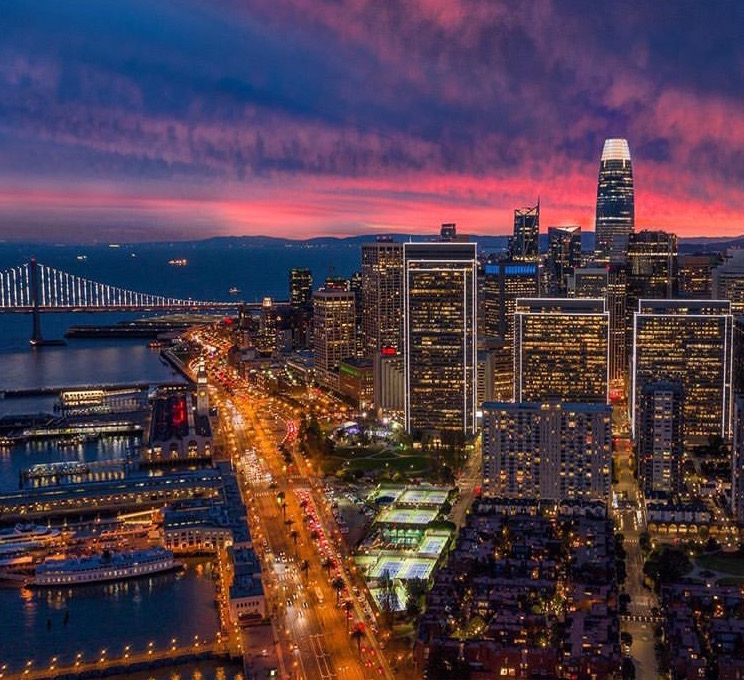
{"points": [[136, 120]]}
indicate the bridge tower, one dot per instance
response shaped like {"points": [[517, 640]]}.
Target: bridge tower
{"points": [[36, 338]]}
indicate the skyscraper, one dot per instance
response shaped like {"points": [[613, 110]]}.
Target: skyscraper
{"points": [[524, 244], [334, 326], [688, 341], [503, 283], [382, 296], [564, 255], [551, 451], [300, 287], [615, 205], [439, 292], [588, 282], [617, 306], [696, 275], [652, 266], [661, 437], [728, 280], [737, 462], [560, 350]]}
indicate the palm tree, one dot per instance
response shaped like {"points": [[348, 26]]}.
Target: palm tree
{"points": [[288, 523], [338, 585], [294, 534], [357, 635], [328, 563], [305, 568], [347, 607]]}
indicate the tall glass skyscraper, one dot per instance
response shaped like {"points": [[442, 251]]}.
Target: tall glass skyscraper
{"points": [[439, 293], [524, 244], [615, 204]]}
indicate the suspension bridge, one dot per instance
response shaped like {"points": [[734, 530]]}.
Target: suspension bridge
{"points": [[35, 288]]}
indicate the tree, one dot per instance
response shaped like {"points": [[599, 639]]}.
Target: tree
{"points": [[294, 535], [348, 606], [338, 585], [667, 565], [629, 669], [358, 634], [328, 564], [305, 568]]}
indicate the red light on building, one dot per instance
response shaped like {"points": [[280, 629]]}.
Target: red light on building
{"points": [[388, 351]]}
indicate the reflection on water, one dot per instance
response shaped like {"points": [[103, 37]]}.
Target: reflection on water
{"points": [[40, 624], [14, 459]]}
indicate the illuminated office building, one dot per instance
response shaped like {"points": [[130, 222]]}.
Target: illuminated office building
{"points": [[440, 344], [737, 462], [300, 287], [334, 331], [615, 216], [690, 342], [551, 451], [588, 282], [564, 256], [728, 281], [616, 302], [696, 275], [661, 437], [524, 244], [560, 350], [652, 266], [503, 283], [382, 296]]}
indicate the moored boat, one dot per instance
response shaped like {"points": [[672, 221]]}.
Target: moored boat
{"points": [[104, 567]]}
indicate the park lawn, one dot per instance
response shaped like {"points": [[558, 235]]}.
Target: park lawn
{"points": [[367, 461], [722, 563]]}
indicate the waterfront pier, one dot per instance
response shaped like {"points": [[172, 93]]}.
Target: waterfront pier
{"points": [[127, 662]]}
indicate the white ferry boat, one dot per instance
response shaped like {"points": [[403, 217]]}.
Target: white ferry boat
{"points": [[104, 567]]}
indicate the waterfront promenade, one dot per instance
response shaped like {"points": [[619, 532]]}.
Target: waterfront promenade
{"points": [[127, 662]]}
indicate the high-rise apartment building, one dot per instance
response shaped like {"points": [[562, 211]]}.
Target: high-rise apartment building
{"points": [[561, 350], [615, 217], [652, 266], [440, 342], [661, 437], [690, 342], [524, 244], [300, 287], [334, 333], [382, 296], [266, 338], [564, 256], [551, 451]]}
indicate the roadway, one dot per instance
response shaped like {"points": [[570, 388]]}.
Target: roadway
{"points": [[311, 632], [630, 518]]}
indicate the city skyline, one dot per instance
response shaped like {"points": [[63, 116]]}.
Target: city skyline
{"points": [[142, 122]]}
